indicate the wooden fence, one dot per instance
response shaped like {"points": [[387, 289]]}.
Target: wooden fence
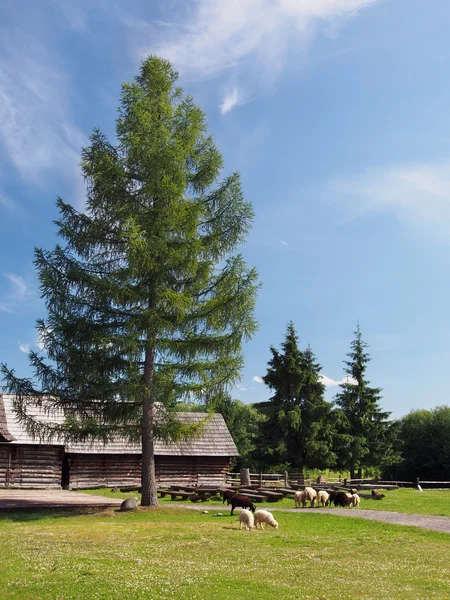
{"points": [[294, 480]]}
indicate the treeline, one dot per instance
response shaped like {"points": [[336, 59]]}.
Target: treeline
{"points": [[296, 429]]}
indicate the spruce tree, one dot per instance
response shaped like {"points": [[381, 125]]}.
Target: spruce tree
{"points": [[367, 438], [298, 427], [147, 300]]}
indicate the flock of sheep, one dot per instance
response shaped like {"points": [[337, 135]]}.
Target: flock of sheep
{"points": [[339, 498], [251, 518]]}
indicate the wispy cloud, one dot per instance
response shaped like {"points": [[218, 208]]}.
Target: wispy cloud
{"points": [[417, 194], [328, 382], [230, 100], [17, 292], [257, 379], [24, 348], [37, 135], [248, 40]]}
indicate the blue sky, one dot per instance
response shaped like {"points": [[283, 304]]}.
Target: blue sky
{"points": [[336, 114]]}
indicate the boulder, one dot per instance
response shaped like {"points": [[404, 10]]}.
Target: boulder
{"points": [[129, 504]]}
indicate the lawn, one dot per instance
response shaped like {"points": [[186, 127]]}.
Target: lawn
{"points": [[407, 500], [171, 552]]}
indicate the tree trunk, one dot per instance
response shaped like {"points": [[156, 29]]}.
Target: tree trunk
{"points": [[148, 477]]}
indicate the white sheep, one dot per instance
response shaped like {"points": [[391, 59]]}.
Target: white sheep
{"points": [[322, 497], [309, 494], [298, 499], [355, 500], [264, 516], [246, 518]]}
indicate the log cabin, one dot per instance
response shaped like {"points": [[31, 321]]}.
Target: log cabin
{"points": [[26, 462]]}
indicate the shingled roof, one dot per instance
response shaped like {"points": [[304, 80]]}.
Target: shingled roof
{"points": [[214, 440]]}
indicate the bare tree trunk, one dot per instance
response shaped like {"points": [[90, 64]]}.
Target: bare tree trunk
{"points": [[148, 477]]}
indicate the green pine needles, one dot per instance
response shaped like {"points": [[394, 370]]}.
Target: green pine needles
{"points": [[148, 300]]}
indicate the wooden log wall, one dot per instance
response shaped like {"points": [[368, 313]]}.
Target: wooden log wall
{"points": [[104, 470], [113, 470], [191, 470], [32, 466]]}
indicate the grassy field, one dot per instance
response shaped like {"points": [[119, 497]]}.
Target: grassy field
{"points": [[407, 500], [184, 554]]}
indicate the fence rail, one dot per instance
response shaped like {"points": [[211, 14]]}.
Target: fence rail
{"points": [[294, 480]]}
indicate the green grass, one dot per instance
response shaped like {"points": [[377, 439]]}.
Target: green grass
{"points": [[407, 500], [184, 554]]}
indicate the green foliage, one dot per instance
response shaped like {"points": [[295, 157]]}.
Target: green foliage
{"points": [[243, 422], [298, 428], [425, 438], [365, 438], [147, 300]]}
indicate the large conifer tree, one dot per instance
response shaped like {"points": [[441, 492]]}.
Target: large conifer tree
{"points": [[298, 427], [147, 300], [367, 437]]}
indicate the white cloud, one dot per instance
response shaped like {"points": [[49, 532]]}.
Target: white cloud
{"points": [[230, 100], [249, 40], [24, 348], [257, 379], [283, 243], [37, 135], [417, 194], [17, 293], [328, 382]]}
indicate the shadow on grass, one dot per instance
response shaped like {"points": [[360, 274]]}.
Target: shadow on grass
{"points": [[26, 514]]}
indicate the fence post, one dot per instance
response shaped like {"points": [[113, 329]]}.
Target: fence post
{"points": [[260, 480], [418, 486], [286, 479], [345, 481], [245, 477]]}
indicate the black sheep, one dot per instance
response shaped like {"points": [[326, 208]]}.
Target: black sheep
{"points": [[227, 495], [242, 502], [341, 499]]}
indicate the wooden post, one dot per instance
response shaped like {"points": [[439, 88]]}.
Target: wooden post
{"points": [[260, 480], [245, 477], [345, 482], [418, 486], [286, 479]]}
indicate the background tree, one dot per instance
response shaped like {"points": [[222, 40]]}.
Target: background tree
{"points": [[425, 439], [243, 422], [366, 438], [298, 428], [147, 301]]}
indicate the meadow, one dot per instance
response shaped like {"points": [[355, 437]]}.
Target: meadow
{"points": [[176, 552]]}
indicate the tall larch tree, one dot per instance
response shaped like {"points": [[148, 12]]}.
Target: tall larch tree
{"points": [[298, 428], [367, 439], [148, 300]]}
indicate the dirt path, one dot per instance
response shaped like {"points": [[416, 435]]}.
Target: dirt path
{"points": [[51, 499]]}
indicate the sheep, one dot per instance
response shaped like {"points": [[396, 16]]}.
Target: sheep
{"points": [[309, 494], [227, 495], [246, 518], [264, 516], [355, 500], [298, 499], [342, 499], [242, 501], [322, 497]]}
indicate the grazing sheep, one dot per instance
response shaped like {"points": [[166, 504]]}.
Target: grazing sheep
{"points": [[264, 516], [342, 499], [355, 500], [298, 499], [246, 518], [227, 495], [241, 501], [353, 491], [309, 494], [322, 497]]}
